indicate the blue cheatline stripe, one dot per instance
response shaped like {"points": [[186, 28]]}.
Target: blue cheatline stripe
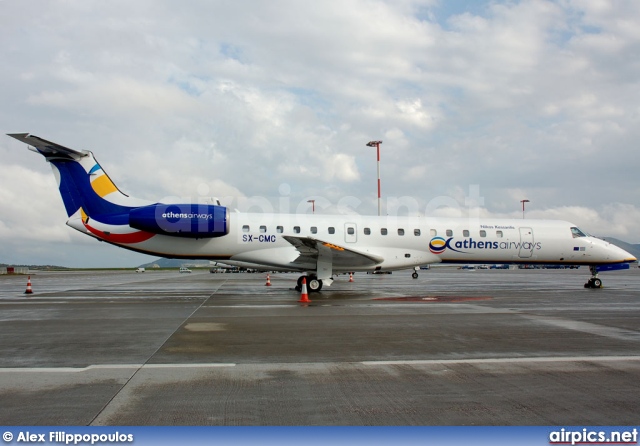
{"points": [[76, 191]]}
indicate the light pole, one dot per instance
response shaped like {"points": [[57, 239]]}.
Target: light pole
{"points": [[523, 202], [376, 144], [313, 206]]}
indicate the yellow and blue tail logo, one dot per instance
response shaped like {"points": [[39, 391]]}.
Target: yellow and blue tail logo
{"points": [[79, 190], [102, 206], [88, 193], [94, 204]]}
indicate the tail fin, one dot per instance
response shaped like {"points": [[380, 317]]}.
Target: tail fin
{"points": [[95, 205], [83, 184]]}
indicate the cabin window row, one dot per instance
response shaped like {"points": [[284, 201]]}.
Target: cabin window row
{"points": [[296, 229], [367, 231], [433, 232]]}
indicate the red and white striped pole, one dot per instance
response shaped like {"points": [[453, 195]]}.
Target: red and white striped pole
{"points": [[376, 144]]}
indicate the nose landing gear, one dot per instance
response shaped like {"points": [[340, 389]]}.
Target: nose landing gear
{"points": [[593, 282]]}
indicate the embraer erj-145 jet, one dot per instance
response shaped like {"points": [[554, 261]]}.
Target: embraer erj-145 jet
{"points": [[320, 246]]}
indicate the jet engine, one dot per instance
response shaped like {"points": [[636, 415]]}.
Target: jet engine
{"points": [[182, 220]]}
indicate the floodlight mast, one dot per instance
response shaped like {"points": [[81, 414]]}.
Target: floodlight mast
{"points": [[523, 202], [376, 144]]}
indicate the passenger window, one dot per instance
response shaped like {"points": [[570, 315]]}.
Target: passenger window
{"points": [[351, 231], [245, 228], [400, 231], [314, 229], [449, 233], [499, 234], [465, 233], [263, 229], [367, 231], [332, 230], [279, 229], [416, 232], [383, 231], [296, 229], [433, 232], [483, 233]]}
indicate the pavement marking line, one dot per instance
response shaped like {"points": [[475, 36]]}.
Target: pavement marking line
{"points": [[187, 366], [135, 372], [400, 362], [505, 360], [587, 327], [110, 367], [245, 307], [67, 369]]}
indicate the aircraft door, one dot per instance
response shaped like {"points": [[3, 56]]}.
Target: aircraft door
{"points": [[350, 233], [526, 243]]}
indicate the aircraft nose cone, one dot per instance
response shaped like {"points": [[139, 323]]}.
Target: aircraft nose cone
{"points": [[618, 254], [626, 256]]}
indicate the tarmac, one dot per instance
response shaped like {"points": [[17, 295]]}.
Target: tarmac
{"points": [[453, 347]]}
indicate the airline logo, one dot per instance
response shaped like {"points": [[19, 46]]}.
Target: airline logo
{"points": [[175, 216], [438, 245]]}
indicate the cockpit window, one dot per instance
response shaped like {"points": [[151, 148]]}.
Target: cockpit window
{"points": [[577, 233]]}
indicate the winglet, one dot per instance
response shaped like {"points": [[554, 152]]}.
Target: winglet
{"points": [[47, 148]]}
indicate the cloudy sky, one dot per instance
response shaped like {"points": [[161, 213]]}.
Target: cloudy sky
{"points": [[273, 102]]}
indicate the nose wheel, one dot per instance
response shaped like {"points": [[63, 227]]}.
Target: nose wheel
{"points": [[593, 282]]}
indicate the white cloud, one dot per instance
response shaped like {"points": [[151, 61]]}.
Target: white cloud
{"points": [[30, 202]]}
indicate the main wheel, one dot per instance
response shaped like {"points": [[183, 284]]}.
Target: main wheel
{"points": [[314, 284], [414, 275], [597, 283]]}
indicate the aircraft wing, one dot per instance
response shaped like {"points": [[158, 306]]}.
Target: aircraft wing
{"points": [[311, 249], [48, 148]]}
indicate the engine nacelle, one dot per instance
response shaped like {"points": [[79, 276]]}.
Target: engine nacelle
{"points": [[182, 220]]}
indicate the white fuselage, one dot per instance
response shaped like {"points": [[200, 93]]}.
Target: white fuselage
{"points": [[257, 240]]}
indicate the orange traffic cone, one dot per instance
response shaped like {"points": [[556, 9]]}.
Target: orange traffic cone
{"points": [[304, 297], [29, 290], [268, 280], [350, 277]]}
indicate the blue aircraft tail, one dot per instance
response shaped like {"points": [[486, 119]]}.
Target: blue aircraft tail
{"points": [[94, 203], [82, 182]]}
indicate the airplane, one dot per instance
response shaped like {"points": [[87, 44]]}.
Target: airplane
{"points": [[318, 246]]}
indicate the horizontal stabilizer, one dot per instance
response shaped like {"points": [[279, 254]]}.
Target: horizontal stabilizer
{"points": [[47, 148]]}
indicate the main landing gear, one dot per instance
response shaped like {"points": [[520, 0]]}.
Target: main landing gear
{"points": [[593, 282], [313, 284]]}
